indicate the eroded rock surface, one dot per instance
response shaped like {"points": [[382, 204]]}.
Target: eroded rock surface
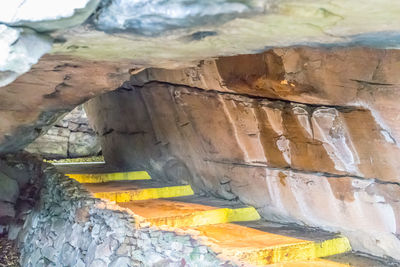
{"points": [[20, 185], [53, 87], [291, 131]]}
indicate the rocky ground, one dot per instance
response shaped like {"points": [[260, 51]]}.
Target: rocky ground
{"points": [[9, 254]]}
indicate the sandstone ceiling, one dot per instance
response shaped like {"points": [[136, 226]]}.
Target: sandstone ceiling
{"points": [[155, 32]]}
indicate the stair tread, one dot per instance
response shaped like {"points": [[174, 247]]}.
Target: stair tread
{"points": [[164, 208], [210, 201], [258, 247], [115, 186], [235, 236], [88, 167], [290, 230], [254, 242], [177, 206]]}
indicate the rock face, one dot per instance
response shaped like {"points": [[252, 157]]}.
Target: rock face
{"points": [[20, 49], [69, 137], [20, 185], [306, 135], [53, 87], [140, 30]]}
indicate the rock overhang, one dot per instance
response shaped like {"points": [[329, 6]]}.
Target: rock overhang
{"points": [[175, 34]]}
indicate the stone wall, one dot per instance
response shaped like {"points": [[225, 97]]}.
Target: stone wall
{"points": [[68, 227], [70, 137], [292, 132]]}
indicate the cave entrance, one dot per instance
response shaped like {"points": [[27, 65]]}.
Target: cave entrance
{"points": [[71, 138]]}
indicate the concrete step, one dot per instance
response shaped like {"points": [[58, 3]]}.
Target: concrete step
{"points": [[125, 191], [248, 241], [108, 177], [190, 211], [310, 263], [256, 247]]}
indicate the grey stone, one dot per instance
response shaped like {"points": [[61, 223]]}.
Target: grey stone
{"points": [[80, 263], [104, 250], [68, 256], [176, 246], [85, 128], [72, 126], [96, 230], [152, 257], [13, 230], [35, 256], [187, 250], [83, 144], [77, 235], [7, 212], [121, 262], [71, 137], [163, 263], [58, 225], [138, 255], [18, 172], [9, 189], [91, 251], [98, 263], [49, 253], [202, 249], [124, 250], [62, 123]]}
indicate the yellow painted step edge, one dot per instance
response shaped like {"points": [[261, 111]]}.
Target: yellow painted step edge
{"points": [[108, 177], [207, 217], [332, 247], [243, 214], [307, 250], [146, 193]]}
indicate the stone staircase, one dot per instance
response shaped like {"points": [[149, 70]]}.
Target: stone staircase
{"points": [[229, 227]]}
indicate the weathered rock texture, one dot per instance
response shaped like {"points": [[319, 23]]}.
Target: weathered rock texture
{"points": [[53, 87], [20, 186], [305, 135], [69, 227], [70, 137]]}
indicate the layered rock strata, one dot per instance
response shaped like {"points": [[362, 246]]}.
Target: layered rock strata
{"points": [[70, 137], [306, 135]]}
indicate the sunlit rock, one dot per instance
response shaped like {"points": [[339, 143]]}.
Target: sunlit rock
{"points": [[142, 30], [19, 50], [306, 135], [46, 15]]}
